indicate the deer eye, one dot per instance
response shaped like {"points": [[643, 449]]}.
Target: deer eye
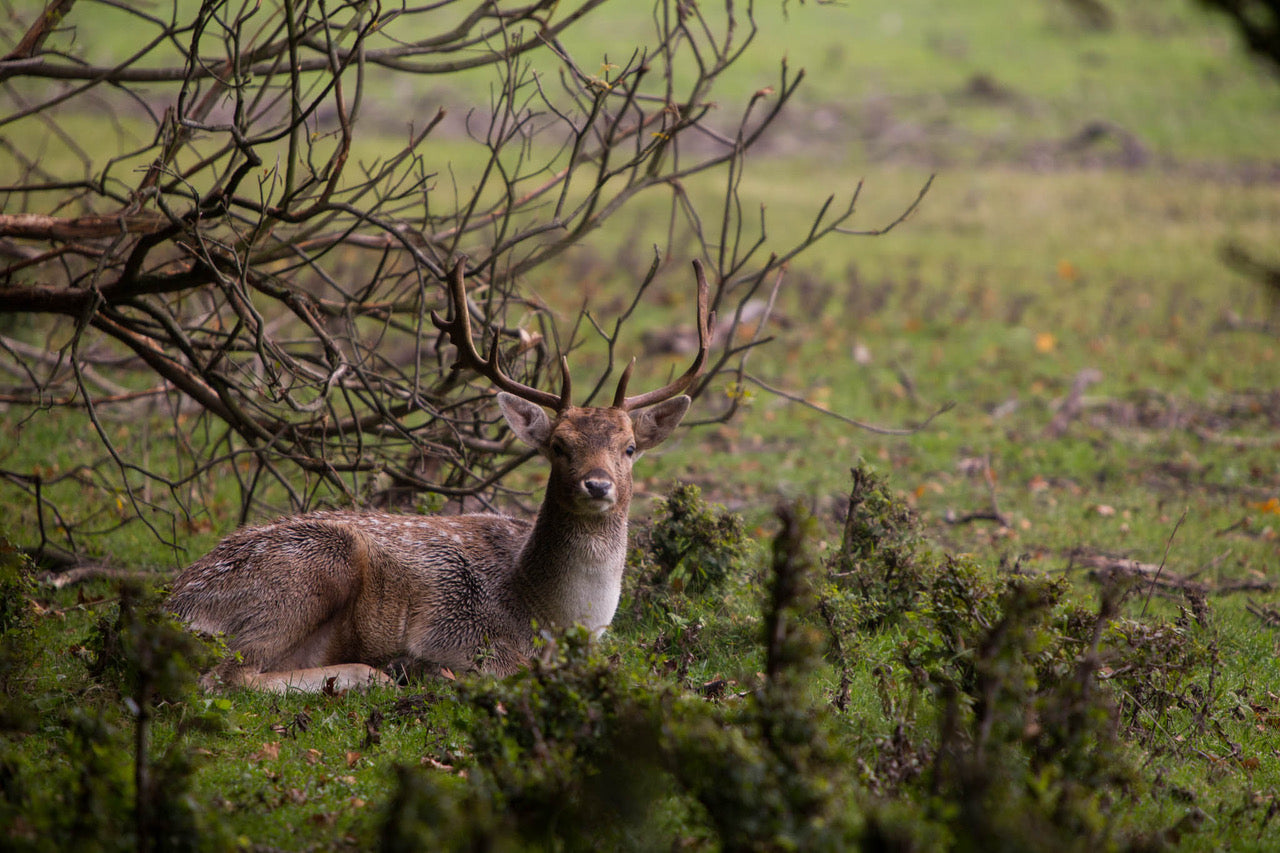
{"points": [[631, 450], [559, 448]]}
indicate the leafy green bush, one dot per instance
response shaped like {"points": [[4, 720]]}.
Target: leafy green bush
{"points": [[878, 559], [1001, 732], [146, 654], [692, 545], [18, 649], [1162, 667], [102, 784], [1027, 753]]}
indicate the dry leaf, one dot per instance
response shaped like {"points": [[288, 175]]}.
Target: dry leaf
{"points": [[269, 752], [352, 758], [1270, 505]]}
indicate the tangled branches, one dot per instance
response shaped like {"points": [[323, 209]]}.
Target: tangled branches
{"points": [[210, 224]]}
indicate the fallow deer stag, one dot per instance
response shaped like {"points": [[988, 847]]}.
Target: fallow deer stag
{"points": [[328, 600]]}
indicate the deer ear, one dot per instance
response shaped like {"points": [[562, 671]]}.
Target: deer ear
{"points": [[654, 424], [527, 420]]}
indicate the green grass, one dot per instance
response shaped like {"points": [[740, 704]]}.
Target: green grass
{"points": [[1020, 269], [1171, 73]]}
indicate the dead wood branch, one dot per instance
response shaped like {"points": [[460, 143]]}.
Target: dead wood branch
{"points": [[1266, 613], [1106, 569]]}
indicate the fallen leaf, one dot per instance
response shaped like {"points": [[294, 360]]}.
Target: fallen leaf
{"points": [[1046, 342], [313, 756], [1270, 505], [1105, 510], [352, 758], [269, 752]]}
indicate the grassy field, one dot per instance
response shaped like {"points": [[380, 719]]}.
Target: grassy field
{"points": [[1084, 185]]}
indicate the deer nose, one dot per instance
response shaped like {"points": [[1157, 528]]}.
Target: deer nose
{"points": [[598, 485]]}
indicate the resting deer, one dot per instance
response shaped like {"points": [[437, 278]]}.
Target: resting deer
{"points": [[327, 600]]}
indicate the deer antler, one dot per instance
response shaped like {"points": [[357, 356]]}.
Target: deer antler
{"points": [[706, 323], [459, 331]]}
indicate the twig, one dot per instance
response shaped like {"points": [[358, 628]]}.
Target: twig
{"points": [[1168, 544], [981, 515], [1269, 615], [878, 430]]}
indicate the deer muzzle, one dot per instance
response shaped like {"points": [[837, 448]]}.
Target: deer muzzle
{"points": [[598, 488]]}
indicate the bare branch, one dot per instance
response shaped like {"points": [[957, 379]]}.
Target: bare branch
{"points": [[252, 256]]}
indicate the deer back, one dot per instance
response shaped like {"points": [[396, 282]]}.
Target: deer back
{"points": [[334, 587]]}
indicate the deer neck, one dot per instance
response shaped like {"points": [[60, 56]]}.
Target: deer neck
{"points": [[570, 569]]}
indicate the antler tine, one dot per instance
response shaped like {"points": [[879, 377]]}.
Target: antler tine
{"points": [[459, 331], [566, 386], [620, 396], [706, 322]]}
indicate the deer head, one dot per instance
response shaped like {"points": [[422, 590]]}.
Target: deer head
{"points": [[591, 449]]}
